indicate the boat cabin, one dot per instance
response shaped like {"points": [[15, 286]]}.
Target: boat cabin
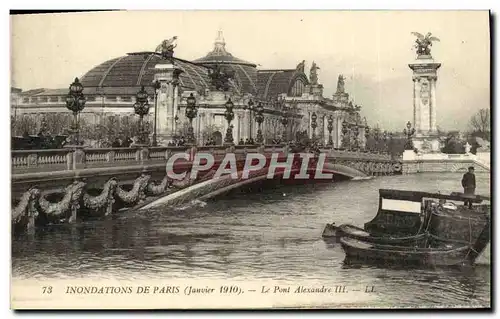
{"points": [[403, 213]]}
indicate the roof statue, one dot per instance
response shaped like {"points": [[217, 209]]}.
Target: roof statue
{"points": [[220, 78], [313, 76], [301, 66], [166, 48], [423, 44], [340, 84]]}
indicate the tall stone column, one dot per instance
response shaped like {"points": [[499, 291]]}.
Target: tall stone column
{"points": [[424, 103], [433, 104], [416, 106], [167, 102]]}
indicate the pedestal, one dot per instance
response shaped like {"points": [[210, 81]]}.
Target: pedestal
{"points": [[424, 103], [167, 102]]}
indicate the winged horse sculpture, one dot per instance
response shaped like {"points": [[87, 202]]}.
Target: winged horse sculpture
{"points": [[423, 43]]}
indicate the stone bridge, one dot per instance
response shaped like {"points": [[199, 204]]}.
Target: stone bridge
{"points": [[65, 185], [439, 162]]}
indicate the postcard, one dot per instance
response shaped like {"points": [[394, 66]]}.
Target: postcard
{"points": [[250, 160]]}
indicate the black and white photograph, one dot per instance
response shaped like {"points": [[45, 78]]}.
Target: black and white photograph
{"points": [[250, 159]]}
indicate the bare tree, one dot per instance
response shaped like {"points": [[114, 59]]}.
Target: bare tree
{"points": [[480, 123]]}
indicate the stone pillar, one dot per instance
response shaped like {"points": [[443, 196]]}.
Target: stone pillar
{"points": [[433, 104], [167, 102], [416, 110], [424, 102]]}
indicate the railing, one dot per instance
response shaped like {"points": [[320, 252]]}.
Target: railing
{"points": [[68, 159]]}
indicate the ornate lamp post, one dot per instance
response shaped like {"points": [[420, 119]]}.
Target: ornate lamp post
{"points": [[284, 121], [314, 124], [75, 102], [156, 87], [141, 108], [376, 136], [355, 132], [345, 135], [330, 129], [384, 136], [191, 112], [409, 132], [229, 115], [250, 108], [259, 118], [367, 135]]}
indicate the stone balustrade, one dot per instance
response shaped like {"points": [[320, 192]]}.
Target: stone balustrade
{"points": [[440, 162], [25, 161], [62, 183]]}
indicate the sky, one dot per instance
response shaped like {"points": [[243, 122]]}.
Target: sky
{"points": [[372, 49]]}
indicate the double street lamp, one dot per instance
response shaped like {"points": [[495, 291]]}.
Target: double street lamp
{"points": [[345, 135], [355, 132], [259, 118], [141, 108], [250, 107], [75, 102], [191, 112], [229, 115], [314, 124], [409, 132], [367, 135], [156, 87], [330, 129], [284, 121]]}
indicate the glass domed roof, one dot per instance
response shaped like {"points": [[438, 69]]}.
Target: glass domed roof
{"points": [[219, 55]]}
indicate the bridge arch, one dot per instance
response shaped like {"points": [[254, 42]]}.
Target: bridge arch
{"points": [[213, 187]]}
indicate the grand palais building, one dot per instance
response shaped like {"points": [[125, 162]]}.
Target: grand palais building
{"points": [[110, 89]]}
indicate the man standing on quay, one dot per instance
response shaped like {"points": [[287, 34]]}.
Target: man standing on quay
{"points": [[469, 185]]}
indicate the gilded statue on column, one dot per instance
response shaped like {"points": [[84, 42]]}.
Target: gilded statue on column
{"points": [[423, 43]]}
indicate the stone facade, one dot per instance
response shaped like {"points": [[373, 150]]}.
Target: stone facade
{"points": [[110, 90]]}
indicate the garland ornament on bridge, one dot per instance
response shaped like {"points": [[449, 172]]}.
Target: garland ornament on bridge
{"points": [[330, 129], [75, 102], [191, 112], [408, 132], [141, 108], [229, 115], [259, 118]]}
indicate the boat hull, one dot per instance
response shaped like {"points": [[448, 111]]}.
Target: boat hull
{"points": [[361, 251], [351, 231]]}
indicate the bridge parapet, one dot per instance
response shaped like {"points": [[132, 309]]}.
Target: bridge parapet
{"points": [[108, 179], [335, 153]]}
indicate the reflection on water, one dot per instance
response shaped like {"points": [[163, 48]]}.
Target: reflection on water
{"points": [[271, 234]]}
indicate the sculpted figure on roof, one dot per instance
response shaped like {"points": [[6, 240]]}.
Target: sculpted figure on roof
{"points": [[301, 66], [313, 76], [166, 48]]}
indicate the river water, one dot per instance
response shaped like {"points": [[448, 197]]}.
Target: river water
{"points": [[272, 234]]}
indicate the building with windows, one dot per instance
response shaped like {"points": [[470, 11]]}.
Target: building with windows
{"points": [[290, 94]]}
